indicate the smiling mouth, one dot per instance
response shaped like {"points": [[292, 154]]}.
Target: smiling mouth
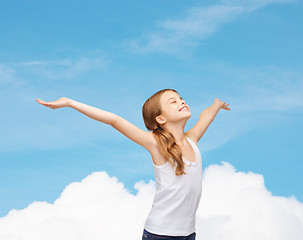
{"points": [[183, 108]]}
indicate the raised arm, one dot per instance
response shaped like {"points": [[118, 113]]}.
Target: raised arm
{"points": [[143, 138], [206, 118]]}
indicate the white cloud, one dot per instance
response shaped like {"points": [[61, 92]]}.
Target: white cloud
{"points": [[59, 62], [259, 97], [8, 77], [20, 86], [5, 73], [174, 36], [266, 88], [63, 68], [234, 205], [253, 4]]}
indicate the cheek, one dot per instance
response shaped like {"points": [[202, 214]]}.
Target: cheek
{"points": [[169, 113]]}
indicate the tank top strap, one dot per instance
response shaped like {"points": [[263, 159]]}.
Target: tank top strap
{"points": [[196, 149], [192, 142]]}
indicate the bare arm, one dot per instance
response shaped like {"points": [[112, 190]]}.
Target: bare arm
{"points": [[206, 118], [143, 138], [92, 112]]}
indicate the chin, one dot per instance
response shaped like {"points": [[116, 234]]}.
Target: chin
{"points": [[188, 115]]}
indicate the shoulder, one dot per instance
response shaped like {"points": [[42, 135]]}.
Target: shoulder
{"points": [[192, 138], [151, 143], [154, 150]]}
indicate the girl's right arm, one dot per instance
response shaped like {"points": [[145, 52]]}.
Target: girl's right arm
{"points": [[143, 138]]}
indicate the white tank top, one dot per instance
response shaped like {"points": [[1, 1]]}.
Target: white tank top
{"points": [[176, 198]]}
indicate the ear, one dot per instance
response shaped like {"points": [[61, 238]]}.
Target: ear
{"points": [[160, 119]]}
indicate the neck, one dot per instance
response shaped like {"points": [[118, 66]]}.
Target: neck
{"points": [[177, 130]]}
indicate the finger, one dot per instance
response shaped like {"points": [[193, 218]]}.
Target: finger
{"points": [[46, 103], [43, 103], [40, 101]]}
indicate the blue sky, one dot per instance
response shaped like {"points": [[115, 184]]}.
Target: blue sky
{"points": [[114, 55]]}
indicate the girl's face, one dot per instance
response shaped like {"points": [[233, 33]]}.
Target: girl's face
{"points": [[174, 107]]}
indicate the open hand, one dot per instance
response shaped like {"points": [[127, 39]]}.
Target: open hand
{"points": [[224, 106], [61, 102]]}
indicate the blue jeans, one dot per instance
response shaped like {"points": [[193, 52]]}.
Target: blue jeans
{"points": [[152, 236]]}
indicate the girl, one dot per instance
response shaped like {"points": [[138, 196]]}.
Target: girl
{"points": [[176, 158]]}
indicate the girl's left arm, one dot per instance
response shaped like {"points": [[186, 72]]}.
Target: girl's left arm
{"points": [[206, 118]]}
